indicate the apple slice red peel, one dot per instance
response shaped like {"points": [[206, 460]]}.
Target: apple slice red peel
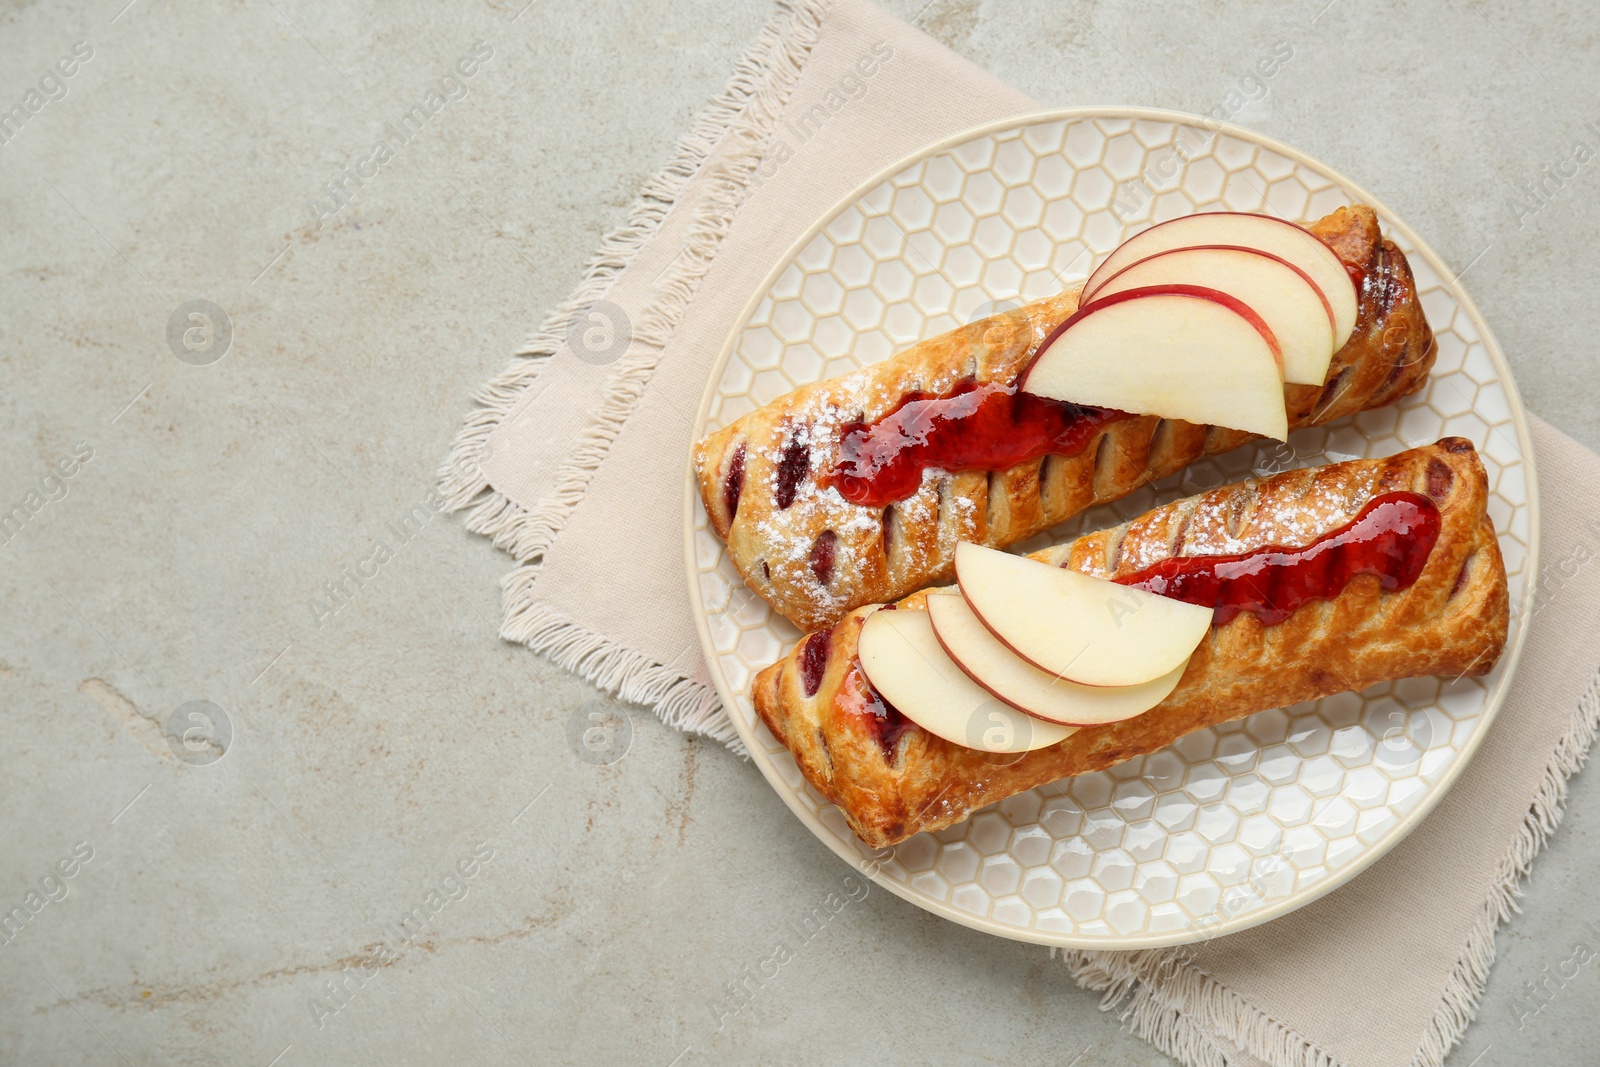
{"points": [[1263, 232], [987, 661], [1077, 626], [905, 664], [1283, 295], [1176, 351]]}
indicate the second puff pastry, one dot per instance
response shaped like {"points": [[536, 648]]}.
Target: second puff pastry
{"points": [[892, 779]]}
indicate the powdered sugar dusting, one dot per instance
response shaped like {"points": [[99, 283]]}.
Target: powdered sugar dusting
{"points": [[1291, 510], [787, 535]]}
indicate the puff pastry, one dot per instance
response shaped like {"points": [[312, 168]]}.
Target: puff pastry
{"points": [[814, 556], [893, 780]]}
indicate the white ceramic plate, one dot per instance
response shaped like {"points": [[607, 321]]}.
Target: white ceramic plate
{"points": [[1232, 825]]}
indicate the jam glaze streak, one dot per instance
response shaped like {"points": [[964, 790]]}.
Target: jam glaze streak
{"points": [[879, 718], [857, 700], [1391, 537], [988, 427]]}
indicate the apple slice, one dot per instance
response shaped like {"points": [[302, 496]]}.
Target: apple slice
{"points": [[1177, 351], [1263, 232], [1025, 687], [904, 663], [1285, 297], [1075, 626]]}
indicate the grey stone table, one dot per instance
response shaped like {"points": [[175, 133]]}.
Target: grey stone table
{"points": [[400, 859]]}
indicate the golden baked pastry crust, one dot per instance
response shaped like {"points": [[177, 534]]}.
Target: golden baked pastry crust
{"points": [[1451, 621], [879, 554]]}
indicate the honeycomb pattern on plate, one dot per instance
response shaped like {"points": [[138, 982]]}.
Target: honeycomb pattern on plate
{"points": [[1232, 823]]}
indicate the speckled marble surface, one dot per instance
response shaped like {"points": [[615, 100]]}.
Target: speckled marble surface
{"points": [[392, 757]]}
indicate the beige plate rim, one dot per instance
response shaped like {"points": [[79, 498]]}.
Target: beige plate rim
{"points": [[1293, 901]]}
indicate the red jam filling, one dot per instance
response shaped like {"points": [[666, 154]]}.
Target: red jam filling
{"points": [[987, 427], [794, 465], [877, 716], [733, 485], [814, 661], [823, 550], [1390, 538]]}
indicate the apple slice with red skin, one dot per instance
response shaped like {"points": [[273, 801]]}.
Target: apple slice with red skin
{"points": [[905, 665], [1277, 236], [1015, 681], [1076, 626], [1177, 351], [1281, 293]]}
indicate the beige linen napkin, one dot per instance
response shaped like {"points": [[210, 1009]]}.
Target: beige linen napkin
{"points": [[574, 463]]}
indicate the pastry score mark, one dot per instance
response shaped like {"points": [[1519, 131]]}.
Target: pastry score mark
{"points": [[733, 483], [794, 465], [814, 660], [823, 551]]}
